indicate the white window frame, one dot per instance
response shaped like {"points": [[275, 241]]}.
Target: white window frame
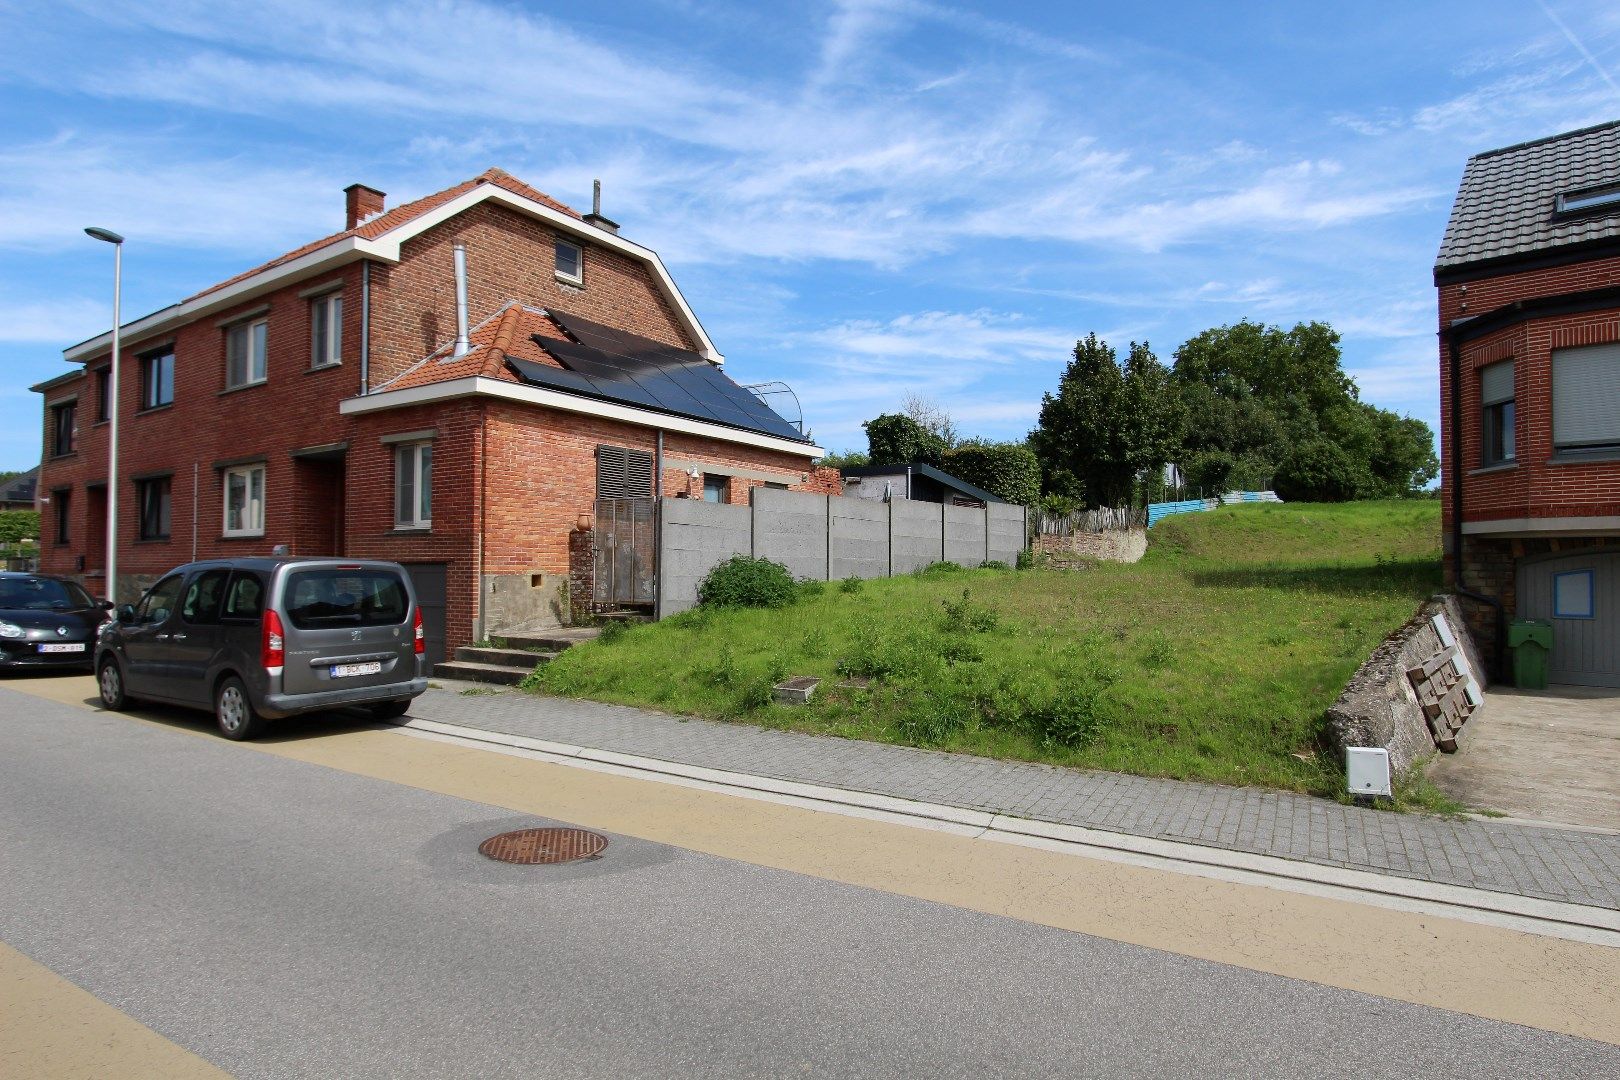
{"points": [[252, 512], [327, 350], [578, 277], [413, 504], [255, 338]]}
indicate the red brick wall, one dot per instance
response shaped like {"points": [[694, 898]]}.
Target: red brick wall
{"points": [[509, 257], [1535, 487], [295, 407], [542, 476]]}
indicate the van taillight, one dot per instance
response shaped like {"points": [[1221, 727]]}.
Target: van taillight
{"points": [[273, 652], [421, 642]]}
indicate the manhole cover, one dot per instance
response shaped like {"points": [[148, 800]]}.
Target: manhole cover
{"points": [[532, 847]]}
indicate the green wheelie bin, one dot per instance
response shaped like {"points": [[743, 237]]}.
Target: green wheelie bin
{"points": [[1531, 640]]}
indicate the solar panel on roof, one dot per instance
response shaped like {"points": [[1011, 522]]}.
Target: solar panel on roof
{"points": [[614, 365]]}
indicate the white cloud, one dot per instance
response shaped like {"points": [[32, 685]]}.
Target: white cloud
{"points": [[51, 322]]}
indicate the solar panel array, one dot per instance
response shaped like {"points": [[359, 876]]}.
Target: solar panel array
{"points": [[613, 365]]}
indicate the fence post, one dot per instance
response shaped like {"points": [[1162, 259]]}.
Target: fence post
{"points": [[829, 537], [888, 568], [941, 532]]}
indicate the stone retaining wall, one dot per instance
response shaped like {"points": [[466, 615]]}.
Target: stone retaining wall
{"points": [[1115, 545], [1378, 706]]}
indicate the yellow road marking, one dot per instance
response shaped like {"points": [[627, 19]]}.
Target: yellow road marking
{"points": [[1488, 971], [51, 1029]]}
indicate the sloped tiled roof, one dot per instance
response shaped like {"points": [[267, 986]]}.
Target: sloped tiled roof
{"points": [[510, 332], [21, 489], [399, 215], [1507, 203]]}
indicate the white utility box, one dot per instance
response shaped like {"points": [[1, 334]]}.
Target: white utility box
{"points": [[1368, 768]]}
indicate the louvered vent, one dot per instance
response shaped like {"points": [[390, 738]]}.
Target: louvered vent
{"points": [[622, 473]]}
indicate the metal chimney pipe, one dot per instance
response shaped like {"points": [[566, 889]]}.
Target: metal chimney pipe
{"points": [[596, 198], [463, 344]]}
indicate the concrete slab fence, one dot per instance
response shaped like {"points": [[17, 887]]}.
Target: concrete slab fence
{"points": [[827, 538]]}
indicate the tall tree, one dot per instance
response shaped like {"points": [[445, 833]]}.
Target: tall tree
{"points": [[893, 439], [1104, 426], [931, 415]]}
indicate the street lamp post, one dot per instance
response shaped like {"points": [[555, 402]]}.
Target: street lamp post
{"points": [[112, 413]]}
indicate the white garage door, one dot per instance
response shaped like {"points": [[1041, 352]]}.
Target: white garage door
{"points": [[1580, 594]]}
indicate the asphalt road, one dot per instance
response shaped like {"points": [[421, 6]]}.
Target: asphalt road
{"points": [[283, 919]]}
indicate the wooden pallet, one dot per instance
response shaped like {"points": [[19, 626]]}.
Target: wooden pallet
{"points": [[1442, 684]]}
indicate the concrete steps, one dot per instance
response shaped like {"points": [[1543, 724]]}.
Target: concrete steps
{"points": [[511, 662]]}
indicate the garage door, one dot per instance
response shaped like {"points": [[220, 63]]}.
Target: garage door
{"points": [[428, 581], [1580, 594]]}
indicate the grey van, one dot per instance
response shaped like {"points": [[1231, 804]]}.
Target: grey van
{"points": [[253, 640]]}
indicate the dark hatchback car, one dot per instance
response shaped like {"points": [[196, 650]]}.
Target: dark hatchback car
{"points": [[252, 640], [47, 622]]}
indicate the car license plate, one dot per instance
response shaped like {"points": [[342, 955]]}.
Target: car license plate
{"points": [[66, 646], [343, 671]]}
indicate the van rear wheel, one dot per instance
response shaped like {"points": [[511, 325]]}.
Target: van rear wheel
{"points": [[233, 711], [389, 710]]}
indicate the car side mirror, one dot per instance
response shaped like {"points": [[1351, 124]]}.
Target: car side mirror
{"points": [[106, 605], [126, 613]]}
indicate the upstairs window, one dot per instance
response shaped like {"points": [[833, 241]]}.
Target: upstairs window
{"points": [[413, 485], [62, 429], [326, 330], [1606, 197], [1586, 400], [570, 263], [152, 503], [103, 395], [1496, 401], [157, 379], [244, 501], [245, 348]]}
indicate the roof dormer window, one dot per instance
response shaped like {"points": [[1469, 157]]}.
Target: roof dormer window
{"points": [[1592, 198]]}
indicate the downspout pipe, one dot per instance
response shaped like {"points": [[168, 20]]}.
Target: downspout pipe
{"points": [[365, 328], [1499, 653]]}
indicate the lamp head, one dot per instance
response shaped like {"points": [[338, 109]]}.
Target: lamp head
{"points": [[104, 234]]}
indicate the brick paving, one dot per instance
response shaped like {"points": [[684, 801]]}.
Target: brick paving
{"points": [[1554, 864]]}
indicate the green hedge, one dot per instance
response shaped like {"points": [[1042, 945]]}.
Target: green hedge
{"points": [[1008, 470]]}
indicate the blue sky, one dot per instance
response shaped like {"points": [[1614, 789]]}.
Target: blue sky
{"points": [[863, 199]]}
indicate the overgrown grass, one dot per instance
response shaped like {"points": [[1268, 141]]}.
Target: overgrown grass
{"points": [[1212, 659]]}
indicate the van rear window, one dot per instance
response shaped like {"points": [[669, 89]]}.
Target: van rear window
{"points": [[318, 599]]}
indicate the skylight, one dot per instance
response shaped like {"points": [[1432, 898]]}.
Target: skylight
{"points": [[1589, 199]]}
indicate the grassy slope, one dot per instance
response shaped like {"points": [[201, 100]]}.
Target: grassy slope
{"points": [[1213, 658]]}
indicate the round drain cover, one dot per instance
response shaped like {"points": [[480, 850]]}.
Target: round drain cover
{"points": [[532, 847]]}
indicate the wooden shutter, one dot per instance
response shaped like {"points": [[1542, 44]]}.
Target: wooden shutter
{"points": [[622, 473]]}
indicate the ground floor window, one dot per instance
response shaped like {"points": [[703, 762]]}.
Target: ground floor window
{"points": [[715, 488], [64, 515], [244, 501], [413, 485], [152, 500]]}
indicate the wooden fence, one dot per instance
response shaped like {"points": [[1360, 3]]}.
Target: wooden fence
{"points": [[1102, 519]]}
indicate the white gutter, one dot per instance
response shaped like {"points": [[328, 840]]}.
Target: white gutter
{"points": [[478, 385], [386, 248]]}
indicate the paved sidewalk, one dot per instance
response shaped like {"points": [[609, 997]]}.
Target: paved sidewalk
{"points": [[1555, 864]]}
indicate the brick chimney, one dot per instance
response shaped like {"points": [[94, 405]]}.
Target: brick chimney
{"points": [[359, 203]]}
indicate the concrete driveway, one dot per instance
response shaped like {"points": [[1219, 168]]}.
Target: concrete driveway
{"points": [[1551, 755]]}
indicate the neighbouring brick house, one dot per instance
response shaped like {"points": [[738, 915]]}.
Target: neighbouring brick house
{"points": [[325, 403], [1529, 295]]}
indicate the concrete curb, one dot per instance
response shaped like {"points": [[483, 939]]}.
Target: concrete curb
{"points": [[1576, 922]]}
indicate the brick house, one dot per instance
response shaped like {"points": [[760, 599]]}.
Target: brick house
{"points": [[1529, 296], [340, 400]]}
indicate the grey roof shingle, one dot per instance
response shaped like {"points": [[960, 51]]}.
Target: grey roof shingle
{"points": [[1507, 204]]}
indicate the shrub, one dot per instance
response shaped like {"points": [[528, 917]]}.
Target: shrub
{"points": [[810, 588], [612, 631], [850, 585], [1026, 559], [757, 695], [964, 614], [741, 581], [893, 439], [936, 569], [994, 564], [1072, 717], [1008, 470], [691, 619]]}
